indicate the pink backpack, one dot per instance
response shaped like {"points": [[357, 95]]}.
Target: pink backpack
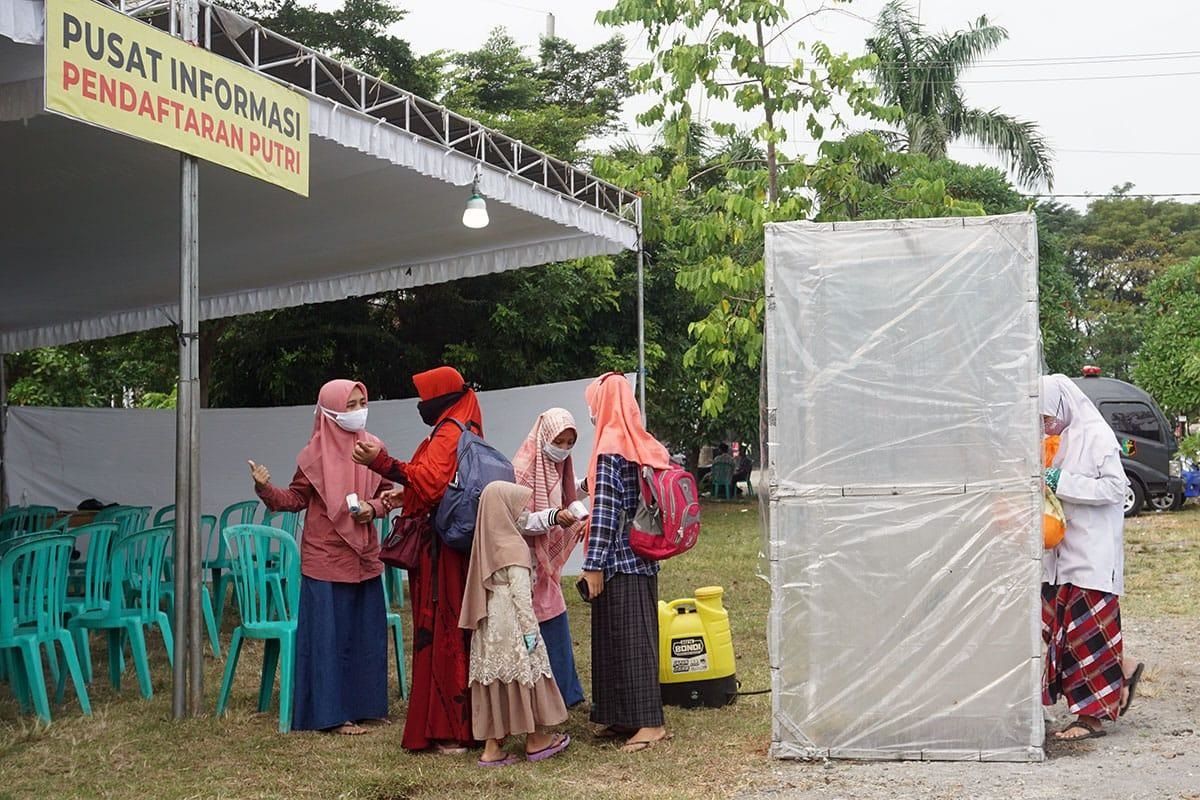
{"points": [[667, 521]]}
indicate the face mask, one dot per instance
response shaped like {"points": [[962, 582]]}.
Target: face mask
{"points": [[431, 410], [556, 454], [351, 421], [1052, 426]]}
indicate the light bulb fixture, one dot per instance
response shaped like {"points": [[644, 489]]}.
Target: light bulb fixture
{"points": [[475, 215]]}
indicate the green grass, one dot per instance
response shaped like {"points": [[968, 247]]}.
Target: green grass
{"points": [[131, 747]]}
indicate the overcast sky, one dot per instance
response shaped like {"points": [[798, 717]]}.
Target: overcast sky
{"points": [[1105, 129]]}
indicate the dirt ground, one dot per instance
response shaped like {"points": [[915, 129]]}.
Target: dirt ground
{"points": [[1153, 753]]}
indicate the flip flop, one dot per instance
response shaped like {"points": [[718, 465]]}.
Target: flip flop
{"points": [[554, 749], [613, 732], [1092, 733], [507, 761], [348, 729], [645, 744], [1131, 684], [449, 749]]}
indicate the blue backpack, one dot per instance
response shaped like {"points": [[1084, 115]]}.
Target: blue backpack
{"points": [[478, 465]]}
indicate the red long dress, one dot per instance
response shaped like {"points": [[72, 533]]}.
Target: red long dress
{"points": [[439, 705]]}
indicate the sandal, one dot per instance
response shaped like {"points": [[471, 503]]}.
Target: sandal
{"points": [[1092, 733], [613, 732], [557, 746], [507, 761], [645, 744], [347, 729], [449, 749], [1131, 684]]}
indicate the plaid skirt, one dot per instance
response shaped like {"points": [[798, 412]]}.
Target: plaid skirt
{"points": [[625, 689], [1082, 632]]}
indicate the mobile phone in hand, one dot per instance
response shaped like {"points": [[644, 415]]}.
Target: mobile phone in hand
{"points": [[584, 592]]}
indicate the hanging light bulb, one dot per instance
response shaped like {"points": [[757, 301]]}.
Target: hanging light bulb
{"points": [[475, 215]]}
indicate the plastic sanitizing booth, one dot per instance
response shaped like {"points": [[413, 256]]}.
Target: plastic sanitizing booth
{"points": [[904, 538]]}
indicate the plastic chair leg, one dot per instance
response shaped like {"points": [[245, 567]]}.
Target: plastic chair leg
{"points": [[141, 659], [52, 660], [210, 621], [83, 649], [164, 628], [71, 660], [287, 647], [116, 659], [267, 682], [20, 683], [398, 639], [36, 679], [235, 650]]}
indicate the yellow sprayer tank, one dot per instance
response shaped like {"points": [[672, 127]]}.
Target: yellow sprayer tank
{"points": [[696, 665]]}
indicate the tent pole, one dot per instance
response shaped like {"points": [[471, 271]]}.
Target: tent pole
{"points": [[641, 312], [188, 663], [3, 431]]}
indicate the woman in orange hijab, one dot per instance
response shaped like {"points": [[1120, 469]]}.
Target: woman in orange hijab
{"points": [[623, 587], [439, 707], [341, 634]]}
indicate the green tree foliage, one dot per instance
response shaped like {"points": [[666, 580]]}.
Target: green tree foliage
{"points": [[1168, 363], [555, 102], [109, 372], [713, 230], [355, 33], [919, 73], [1113, 252]]}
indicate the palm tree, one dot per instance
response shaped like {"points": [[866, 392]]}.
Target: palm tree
{"points": [[919, 73]]}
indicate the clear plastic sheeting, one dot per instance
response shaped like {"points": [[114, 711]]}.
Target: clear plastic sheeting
{"points": [[904, 534]]}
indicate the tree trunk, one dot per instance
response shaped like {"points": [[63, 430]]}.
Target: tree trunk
{"points": [[769, 113], [210, 334]]}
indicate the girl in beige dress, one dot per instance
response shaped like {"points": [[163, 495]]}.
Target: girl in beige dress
{"points": [[512, 687]]}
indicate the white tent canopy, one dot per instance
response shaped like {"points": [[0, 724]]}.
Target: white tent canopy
{"points": [[89, 219]]}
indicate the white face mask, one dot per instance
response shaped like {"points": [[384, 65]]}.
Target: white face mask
{"points": [[351, 421], [556, 454]]}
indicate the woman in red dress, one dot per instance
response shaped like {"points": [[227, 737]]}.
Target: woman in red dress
{"points": [[439, 706]]}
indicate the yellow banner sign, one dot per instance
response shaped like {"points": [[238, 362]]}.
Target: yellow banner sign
{"points": [[115, 72]]}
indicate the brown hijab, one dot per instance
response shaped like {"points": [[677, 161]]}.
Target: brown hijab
{"points": [[498, 544]]}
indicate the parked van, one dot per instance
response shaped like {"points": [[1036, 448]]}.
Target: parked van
{"points": [[1148, 445]]}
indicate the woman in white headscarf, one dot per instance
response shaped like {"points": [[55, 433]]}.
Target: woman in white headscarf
{"points": [[1083, 576]]}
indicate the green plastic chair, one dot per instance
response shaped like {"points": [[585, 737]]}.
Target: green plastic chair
{"points": [[217, 557], [283, 520], [94, 595], [260, 554], [393, 588], [132, 601], [17, 520], [33, 585], [164, 515], [208, 523], [722, 479]]}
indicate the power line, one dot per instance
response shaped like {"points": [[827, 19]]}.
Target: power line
{"points": [[1101, 196], [1054, 61]]}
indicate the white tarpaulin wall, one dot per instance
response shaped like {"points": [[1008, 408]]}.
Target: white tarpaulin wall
{"points": [[905, 496], [60, 456]]}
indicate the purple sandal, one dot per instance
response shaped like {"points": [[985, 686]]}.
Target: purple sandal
{"points": [[552, 750], [507, 761]]}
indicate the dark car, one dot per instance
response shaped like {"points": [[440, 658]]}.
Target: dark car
{"points": [[1147, 441]]}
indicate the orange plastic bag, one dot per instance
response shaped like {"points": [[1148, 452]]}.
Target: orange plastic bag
{"points": [[1054, 521]]}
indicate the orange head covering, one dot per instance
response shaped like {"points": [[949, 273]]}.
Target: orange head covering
{"points": [[619, 429], [435, 461], [444, 394], [553, 486], [326, 461]]}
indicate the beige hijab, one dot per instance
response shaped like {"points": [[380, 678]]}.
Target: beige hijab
{"points": [[498, 544]]}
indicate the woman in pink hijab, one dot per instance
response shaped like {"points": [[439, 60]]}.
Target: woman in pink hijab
{"points": [[544, 465], [341, 638]]}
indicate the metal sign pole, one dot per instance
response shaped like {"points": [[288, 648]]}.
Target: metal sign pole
{"points": [[3, 432], [188, 663], [641, 313]]}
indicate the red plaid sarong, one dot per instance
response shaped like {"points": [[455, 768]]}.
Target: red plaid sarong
{"points": [[1082, 632]]}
